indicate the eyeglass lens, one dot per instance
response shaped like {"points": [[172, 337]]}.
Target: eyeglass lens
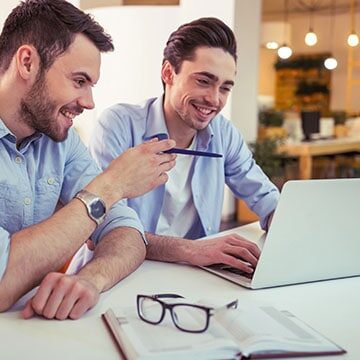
{"points": [[151, 310], [190, 318], [185, 317]]}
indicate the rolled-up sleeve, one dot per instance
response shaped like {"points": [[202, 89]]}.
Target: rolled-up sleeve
{"points": [[119, 215], [81, 169], [246, 179], [4, 250]]}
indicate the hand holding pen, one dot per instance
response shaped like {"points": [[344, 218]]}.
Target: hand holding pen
{"points": [[163, 136]]}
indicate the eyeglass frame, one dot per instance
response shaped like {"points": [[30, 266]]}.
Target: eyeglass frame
{"points": [[210, 311]]}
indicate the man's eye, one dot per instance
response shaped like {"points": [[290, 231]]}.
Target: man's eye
{"points": [[203, 81], [226, 89], [80, 82]]}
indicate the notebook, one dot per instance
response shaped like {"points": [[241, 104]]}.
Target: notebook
{"points": [[314, 235]]}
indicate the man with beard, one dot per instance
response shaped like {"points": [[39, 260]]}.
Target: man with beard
{"points": [[198, 73], [49, 61]]}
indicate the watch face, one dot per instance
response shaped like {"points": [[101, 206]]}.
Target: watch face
{"points": [[97, 209]]}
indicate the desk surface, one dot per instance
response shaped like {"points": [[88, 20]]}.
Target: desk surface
{"points": [[306, 150], [322, 147], [331, 307]]}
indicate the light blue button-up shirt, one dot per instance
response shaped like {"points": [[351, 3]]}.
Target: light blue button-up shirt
{"points": [[123, 126], [40, 173]]}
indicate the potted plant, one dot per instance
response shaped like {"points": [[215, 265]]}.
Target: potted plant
{"points": [[270, 124], [272, 162], [275, 166], [340, 129]]}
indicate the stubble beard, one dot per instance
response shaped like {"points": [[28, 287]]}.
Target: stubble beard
{"points": [[37, 111]]}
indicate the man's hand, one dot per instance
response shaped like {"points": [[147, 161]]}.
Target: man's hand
{"points": [[140, 169], [62, 296], [232, 250]]}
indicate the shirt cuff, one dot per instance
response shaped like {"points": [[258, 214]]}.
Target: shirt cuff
{"points": [[119, 215], [266, 207]]}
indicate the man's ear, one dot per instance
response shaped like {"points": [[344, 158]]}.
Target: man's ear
{"points": [[167, 73], [27, 62]]}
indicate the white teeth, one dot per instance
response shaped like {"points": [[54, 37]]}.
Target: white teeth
{"points": [[204, 110], [68, 114]]}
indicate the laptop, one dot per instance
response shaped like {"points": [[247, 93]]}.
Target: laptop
{"points": [[314, 235]]}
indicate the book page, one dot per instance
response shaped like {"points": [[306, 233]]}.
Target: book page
{"points": [[264, 328], [257, 330], [165, 340]]}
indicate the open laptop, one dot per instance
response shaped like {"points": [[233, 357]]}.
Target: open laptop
{"points": [[314, 235]]}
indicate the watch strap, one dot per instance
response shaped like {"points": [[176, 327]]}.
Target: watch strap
{"points": [[88, 199]]}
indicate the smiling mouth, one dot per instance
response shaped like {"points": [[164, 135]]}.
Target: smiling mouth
{"points": [[204, 110], [68, 114]]}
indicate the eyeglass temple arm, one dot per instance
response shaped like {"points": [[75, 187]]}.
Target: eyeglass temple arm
{"points": [[231, 305], [159, 296]]}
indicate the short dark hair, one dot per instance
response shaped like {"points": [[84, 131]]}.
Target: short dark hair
{"points": [[50, 26], [203, 32]]}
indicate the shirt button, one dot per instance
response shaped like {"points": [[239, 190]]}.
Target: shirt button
{"points": [[51, 181], [209, 228], [18, 160], [27, 201]]}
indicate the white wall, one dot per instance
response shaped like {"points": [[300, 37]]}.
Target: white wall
{"points": [[6, 7], [247, 31], [132, 72]]}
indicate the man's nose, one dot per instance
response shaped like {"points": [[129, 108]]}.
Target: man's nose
{"points": [[87, 101], [213, 97]]}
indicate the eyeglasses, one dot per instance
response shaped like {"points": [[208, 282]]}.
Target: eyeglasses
{"points": [[186, 317]]}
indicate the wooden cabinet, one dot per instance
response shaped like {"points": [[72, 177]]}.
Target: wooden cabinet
{"points": [[303, 83]]}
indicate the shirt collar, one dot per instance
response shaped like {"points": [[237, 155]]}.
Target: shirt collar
{"points": [[157, 125], [5, 132]]}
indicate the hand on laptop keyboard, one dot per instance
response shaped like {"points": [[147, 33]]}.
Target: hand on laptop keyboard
{"points": [[235, 271], [232, 250]]}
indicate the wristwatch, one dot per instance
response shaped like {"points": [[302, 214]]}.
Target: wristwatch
{"points": [[95, 206]]}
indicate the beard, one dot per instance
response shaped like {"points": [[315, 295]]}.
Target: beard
{"points": [[37, 110]]}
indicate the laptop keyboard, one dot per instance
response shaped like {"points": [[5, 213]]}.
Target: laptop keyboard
{"points": [[232, 270]]}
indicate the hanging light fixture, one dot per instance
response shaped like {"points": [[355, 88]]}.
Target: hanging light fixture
{"points": [[284, 52], [331, 63], [311, 37], [353, 38], [272, 34]]}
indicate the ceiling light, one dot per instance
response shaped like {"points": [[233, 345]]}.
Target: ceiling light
{"points": [[284, 52], [310, 38], [353, 39], [330, 63], [272, 45]]}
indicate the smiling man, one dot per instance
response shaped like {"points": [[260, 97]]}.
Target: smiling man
{"points": [[198, 73], [49, 62]]}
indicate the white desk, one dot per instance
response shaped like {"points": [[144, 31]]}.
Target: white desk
{"points": [[331, 307], [305, 151]]}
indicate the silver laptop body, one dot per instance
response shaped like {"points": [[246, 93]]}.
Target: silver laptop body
{"points": [[314, 235]]}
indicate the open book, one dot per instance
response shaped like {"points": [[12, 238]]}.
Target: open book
{"points": [[256, 332]]}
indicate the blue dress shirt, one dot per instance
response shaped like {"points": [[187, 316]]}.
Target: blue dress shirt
{"points": [[39, 174], [123, 126]]}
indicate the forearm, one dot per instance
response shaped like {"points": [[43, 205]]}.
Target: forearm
{"points": [[169, 248], [42, 248], [117, 255]]}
